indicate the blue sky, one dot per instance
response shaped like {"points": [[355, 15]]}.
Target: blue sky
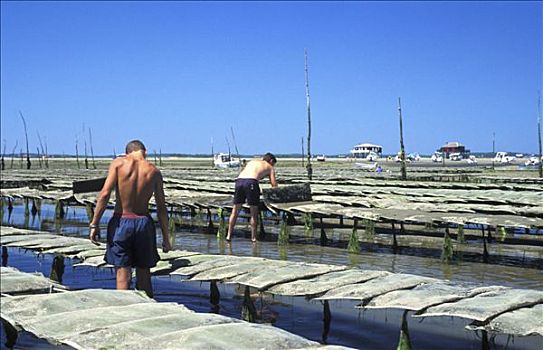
{"points": [[176, 75]]}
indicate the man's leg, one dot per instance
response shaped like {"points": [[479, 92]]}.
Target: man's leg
{"points": [[232, 221], [124, 277], [143, 281], [254, 221]]}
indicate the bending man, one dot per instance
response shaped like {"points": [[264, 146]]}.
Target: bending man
{"points": [[131, 235], [247, 188]]}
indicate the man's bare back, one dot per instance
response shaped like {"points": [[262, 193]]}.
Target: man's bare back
{"points": [[132, 238], [136, 182], [258, 169]]}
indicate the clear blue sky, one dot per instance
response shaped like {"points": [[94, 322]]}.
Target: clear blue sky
{"points": [[176, 75]]}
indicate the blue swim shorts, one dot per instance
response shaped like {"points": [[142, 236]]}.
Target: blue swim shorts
{"points": [[131, 241], [247, 189]]}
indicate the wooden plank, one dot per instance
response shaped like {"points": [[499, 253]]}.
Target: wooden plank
{"points": [[92, 185]]}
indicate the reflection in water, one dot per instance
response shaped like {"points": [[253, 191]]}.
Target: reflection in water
{"points": [[4, 256]]}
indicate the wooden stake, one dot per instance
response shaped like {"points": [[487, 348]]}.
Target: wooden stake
{"points": [[28, 163], [402, 149], [309, 168], [91, 149], [539, 134]]}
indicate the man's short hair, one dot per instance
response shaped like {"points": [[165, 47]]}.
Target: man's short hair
{"points": [[134, 146], [269, 157]]}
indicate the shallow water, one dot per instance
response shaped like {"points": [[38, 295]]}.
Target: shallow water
{"points": [[370, 329]]}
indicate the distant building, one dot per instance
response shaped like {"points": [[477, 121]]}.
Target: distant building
{"points": [[362, 150], [454, 147]]}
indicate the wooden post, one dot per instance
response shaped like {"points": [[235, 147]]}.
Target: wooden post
{"points": [[248, 310], [57, 269], [405, 340], [210, 227], [262, 231], [354, 245], [539, 134], [309, 168], [34, 209], [283, 231], [27, 210], [402, 149], [326, 320], [77, 153], [13, 154], [303, 152], [485, 250], [214, 294], [28, 163], [3, 167], [5, 256], [323, 239], [91, 149], [394, 239], [11, 334]]}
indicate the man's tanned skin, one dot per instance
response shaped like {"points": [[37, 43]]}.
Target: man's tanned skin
{"points": [[257, 170], [135, 180]]}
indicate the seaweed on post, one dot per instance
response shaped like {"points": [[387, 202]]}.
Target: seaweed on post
{"points": [[370, 229], [405, 340], [171, 223], [308, 224], [27, 209], [501, 233], [221, 232], [59, 210], [447, 251], [199, 219], [282, 239], [354, 245], [460, 234], [90, 211]]}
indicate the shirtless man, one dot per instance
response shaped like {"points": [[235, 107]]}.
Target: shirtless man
{"points": [[131, 236], [247, 188]]}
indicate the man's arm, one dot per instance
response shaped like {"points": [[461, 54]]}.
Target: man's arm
{"points": [[102, 199], [272, 177], [162, 212]]}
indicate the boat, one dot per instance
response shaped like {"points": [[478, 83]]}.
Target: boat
{"points": [[225, 161], [503, 157], [321, 158], [367, 151], [457, 156], [533, 161], [471, 160], [437, 157]]}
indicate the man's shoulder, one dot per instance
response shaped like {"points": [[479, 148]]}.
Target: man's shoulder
{"points": [[152, 169]]}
